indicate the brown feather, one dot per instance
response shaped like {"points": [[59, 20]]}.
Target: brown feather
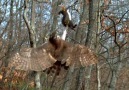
{"points": [[35, 59], [77, 54], [43, 57]]}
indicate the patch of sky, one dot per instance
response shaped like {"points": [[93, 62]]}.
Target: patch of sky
{"points": [[46, 12]]}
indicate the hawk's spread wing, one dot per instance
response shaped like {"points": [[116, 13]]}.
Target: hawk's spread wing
{"points": [[40, 58], [79, 55], [36, 59]]}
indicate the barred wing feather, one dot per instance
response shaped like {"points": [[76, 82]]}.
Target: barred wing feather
{"points": [[36, 59]]}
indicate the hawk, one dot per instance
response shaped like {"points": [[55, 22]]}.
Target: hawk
{"points": [[55, 50]]}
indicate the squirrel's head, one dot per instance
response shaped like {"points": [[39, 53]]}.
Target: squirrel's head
{"points": [[63, 9]]}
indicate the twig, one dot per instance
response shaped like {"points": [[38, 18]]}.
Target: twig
{"points": [[72, 4]]}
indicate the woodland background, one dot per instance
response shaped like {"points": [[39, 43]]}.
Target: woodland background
{"points": [[103, 25]]}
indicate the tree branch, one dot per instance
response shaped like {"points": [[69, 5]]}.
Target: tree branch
{"points": [[30, 29]]}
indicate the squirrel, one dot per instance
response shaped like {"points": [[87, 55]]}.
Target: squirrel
{"points": [[66, 18]]}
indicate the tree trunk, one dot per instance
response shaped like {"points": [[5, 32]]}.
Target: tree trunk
{"points": [[10, 33], [88, 77], [90, 25], [32, 35], [80, 78], [31, 30], [87, 43], [54, 14], [114, 77], [68, 78]]}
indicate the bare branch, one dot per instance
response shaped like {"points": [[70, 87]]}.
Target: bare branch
{"points": [[30, 29]]}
